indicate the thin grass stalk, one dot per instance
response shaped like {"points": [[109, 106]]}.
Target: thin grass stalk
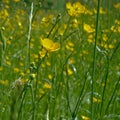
{"points": [[37, 74], [79, 99], [2, 50], [56, 22], [69, 35], [21, 105], [68, 99], [61, 16], [67, 95], [32, 95], [57, 93], [94, 57], [113, 53], [104, 89], [58, 26], [36, 84], [115, 50], [61, 79], [23, 95], [112, 96], [1, 64], [29, 37], [47, 115], [107, 72], [61, 76], [67, 27]]}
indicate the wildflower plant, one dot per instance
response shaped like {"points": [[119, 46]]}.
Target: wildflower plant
{"points": [[59, 64]]}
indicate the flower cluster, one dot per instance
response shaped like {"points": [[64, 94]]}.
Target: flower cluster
{"points": [[75, 9]]}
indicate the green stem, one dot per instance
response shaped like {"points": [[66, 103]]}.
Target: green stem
{"points": [[67, 94], [29, 37], [21, 105], [94, 58], [79, 99], [69, 35], [104, 89], [23, 95], [57, 20], [32, 95], [113, 94], [1, 63], [36, 84], [111, 57]]}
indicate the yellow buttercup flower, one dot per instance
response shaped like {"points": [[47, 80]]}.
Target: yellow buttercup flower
{"points": [[85, 117], [105, 38], [88, 28], [47, 86], [42, 53], [1, 69], [47, 19], [96, 100], [75, 9], [16, 0], [102, 11], [74, 23], [62, 29], [16, 70], [69, 71], [111, 46], [4, 82], [117, 22], [49, 45], [117, 5], [50, 77]]}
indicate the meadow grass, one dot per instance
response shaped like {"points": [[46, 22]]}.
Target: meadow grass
{"points": [[59, 64]]}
